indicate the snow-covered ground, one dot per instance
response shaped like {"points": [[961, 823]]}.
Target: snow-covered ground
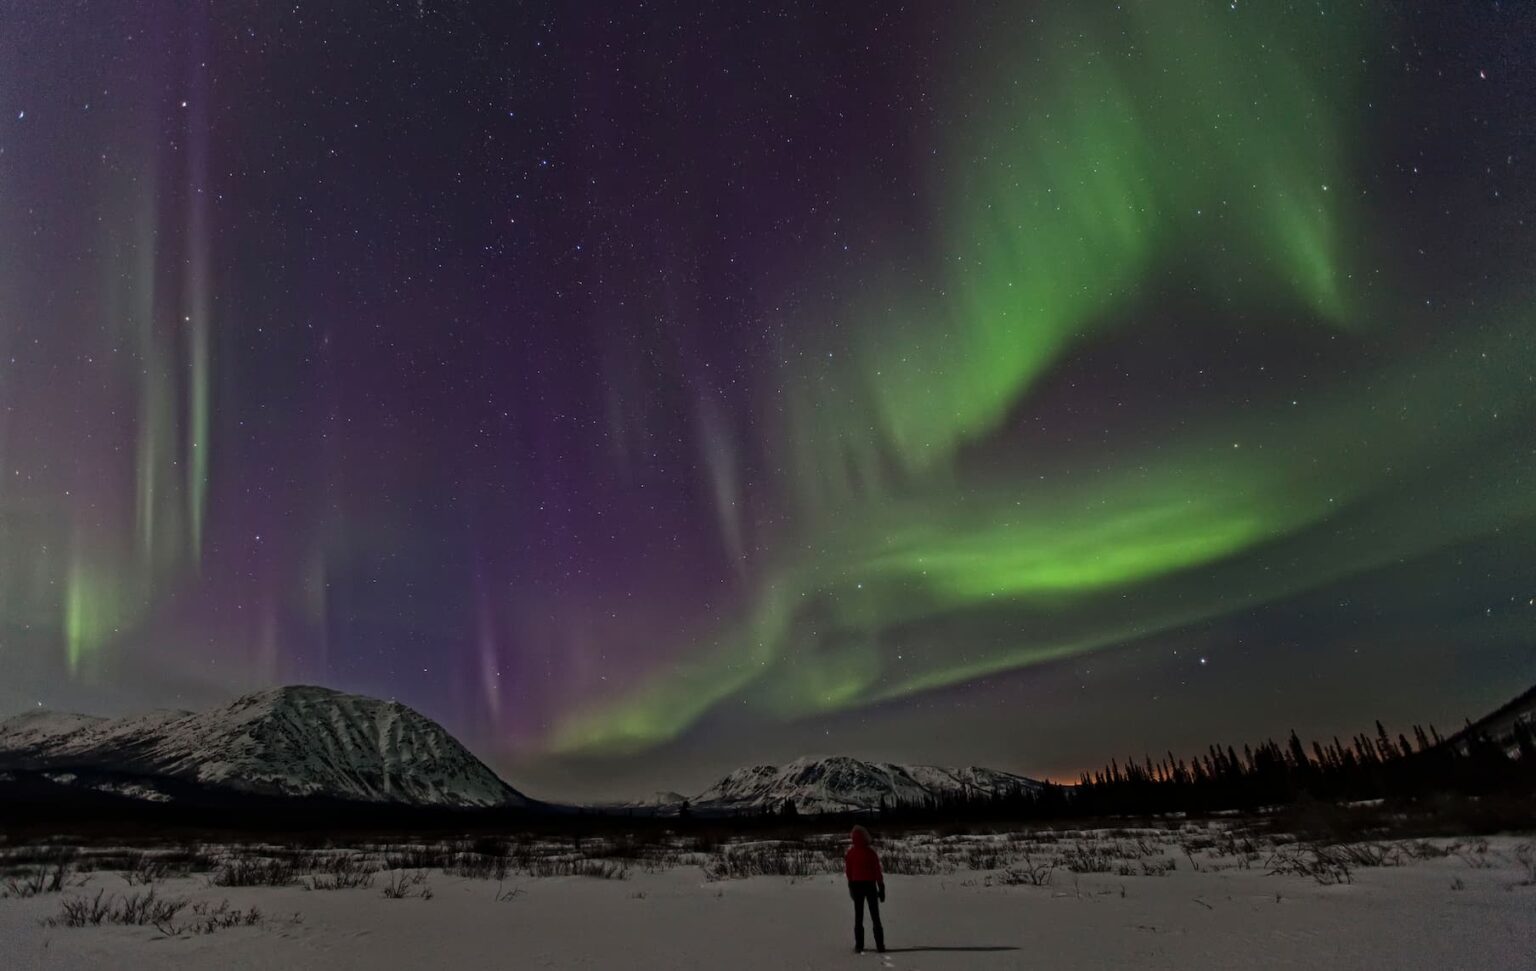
{"points": [[1139, 902]]}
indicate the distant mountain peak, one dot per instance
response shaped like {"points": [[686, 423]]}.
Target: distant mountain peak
{"points": [[296, 740], [841, 783]]}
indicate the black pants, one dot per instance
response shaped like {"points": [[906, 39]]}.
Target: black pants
{"points": [[863, 891]]}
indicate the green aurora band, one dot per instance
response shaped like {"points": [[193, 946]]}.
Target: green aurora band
{"points": [[1074, 182], [1185, 146]]}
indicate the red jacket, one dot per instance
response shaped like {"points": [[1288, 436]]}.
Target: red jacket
{"points": [[860, 862]]}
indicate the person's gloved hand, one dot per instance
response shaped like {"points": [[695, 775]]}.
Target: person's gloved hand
{"points": [[882, 893]]}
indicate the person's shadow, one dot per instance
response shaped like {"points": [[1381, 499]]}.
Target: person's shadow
{"points": [[908, 950]]}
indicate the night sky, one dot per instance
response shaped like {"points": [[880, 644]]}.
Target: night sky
{"points": [[645, 389]]}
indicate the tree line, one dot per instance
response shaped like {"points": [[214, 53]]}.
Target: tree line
{"points": [[1366, 767]]}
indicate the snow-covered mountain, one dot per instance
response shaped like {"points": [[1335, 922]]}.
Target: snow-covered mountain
{"points": [[843, 784], [291, 741]]}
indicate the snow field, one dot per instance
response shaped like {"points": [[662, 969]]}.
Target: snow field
{"points": [[1196, 896]]}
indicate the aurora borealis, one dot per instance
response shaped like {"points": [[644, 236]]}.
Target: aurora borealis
{"points": [[643, 390]]}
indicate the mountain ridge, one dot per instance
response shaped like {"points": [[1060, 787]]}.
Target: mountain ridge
{"points": [[840, 783], [296, 740]]}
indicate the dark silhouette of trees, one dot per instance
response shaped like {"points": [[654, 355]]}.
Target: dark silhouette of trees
{"points": [[1267, 774]]}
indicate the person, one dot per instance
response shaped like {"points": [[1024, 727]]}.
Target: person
{"points": [[866, 884]]}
